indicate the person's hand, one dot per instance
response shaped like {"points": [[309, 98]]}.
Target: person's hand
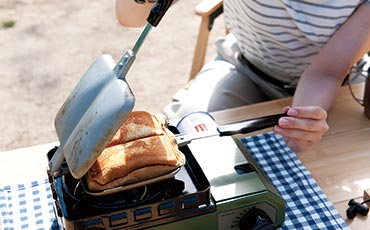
{"points": [[132, 14], [303, 127]]}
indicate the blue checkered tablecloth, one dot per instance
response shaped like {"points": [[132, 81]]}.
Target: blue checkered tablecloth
{"points": [[307, 207], [30, 205], [27, 206]]}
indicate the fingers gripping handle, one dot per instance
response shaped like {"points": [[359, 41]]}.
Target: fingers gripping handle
{"points": [[158, 10]]}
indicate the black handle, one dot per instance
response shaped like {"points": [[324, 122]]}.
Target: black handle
{"points": [[247, 126], [158, 11]]}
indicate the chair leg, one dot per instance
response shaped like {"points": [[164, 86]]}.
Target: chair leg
{"points": [[200, 48]]}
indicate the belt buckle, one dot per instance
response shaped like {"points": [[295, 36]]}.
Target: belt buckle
{"points": [[290, 86]]}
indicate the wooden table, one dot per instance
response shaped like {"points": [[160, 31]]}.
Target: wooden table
{"points": [[339, 163]]}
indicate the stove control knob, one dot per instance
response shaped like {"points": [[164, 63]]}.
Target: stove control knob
{"points": [[256, 219]]}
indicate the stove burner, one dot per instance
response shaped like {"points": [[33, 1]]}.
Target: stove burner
{"points": [[82, 201]]}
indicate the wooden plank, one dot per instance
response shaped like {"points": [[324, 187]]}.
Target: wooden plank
{"points": [[339, 166]]}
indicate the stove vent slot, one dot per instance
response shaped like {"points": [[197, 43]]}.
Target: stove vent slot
{"points": [[244, 168]]}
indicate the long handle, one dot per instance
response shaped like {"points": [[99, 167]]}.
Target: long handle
{"points": [[158, 10], [240, 127], [156, 14], [251, 125]]}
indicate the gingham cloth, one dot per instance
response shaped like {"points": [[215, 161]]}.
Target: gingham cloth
{"points": [[27, 206], [30, 205], [307, 207]]}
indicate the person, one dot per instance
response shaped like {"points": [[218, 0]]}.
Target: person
{"points": [[276, 49]]}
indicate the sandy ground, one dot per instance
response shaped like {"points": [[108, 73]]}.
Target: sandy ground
{"points": [[53, 43]]}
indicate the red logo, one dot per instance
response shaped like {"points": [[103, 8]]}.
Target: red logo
{"points": [[201, 128]]}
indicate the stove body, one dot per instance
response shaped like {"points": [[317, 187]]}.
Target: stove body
{"points": [[220, 187]]}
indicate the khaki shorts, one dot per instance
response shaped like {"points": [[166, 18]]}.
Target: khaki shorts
{"points": [[221, 84]]}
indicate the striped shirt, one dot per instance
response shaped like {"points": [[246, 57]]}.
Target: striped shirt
{"points": [[283, 36]]}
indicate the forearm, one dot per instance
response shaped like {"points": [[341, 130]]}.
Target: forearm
{"points": [[316, 89], [320, 82]]}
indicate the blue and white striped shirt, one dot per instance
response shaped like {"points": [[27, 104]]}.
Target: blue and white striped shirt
{"points": [[283, 36]]}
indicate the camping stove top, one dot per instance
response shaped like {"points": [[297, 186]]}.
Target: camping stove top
{"points": [[219, 187]]}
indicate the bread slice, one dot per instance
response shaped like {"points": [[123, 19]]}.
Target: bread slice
{"points": [[139, 124], [135, 176], [137, 156]]}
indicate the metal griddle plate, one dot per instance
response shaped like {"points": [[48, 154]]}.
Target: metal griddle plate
{"points": [[90, 117], [127, 186]]}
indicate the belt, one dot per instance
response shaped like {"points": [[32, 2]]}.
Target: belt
{"points": [[288, 88]]}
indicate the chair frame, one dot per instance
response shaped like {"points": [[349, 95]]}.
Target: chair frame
{"points": [[209, 10]]}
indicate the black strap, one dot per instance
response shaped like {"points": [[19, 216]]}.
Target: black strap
{"points": [[267, 77]]}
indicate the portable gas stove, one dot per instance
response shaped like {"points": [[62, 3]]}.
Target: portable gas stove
{"points": [[219, 187]]}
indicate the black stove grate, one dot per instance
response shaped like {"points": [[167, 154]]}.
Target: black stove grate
{"points": [[80, 201]]}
